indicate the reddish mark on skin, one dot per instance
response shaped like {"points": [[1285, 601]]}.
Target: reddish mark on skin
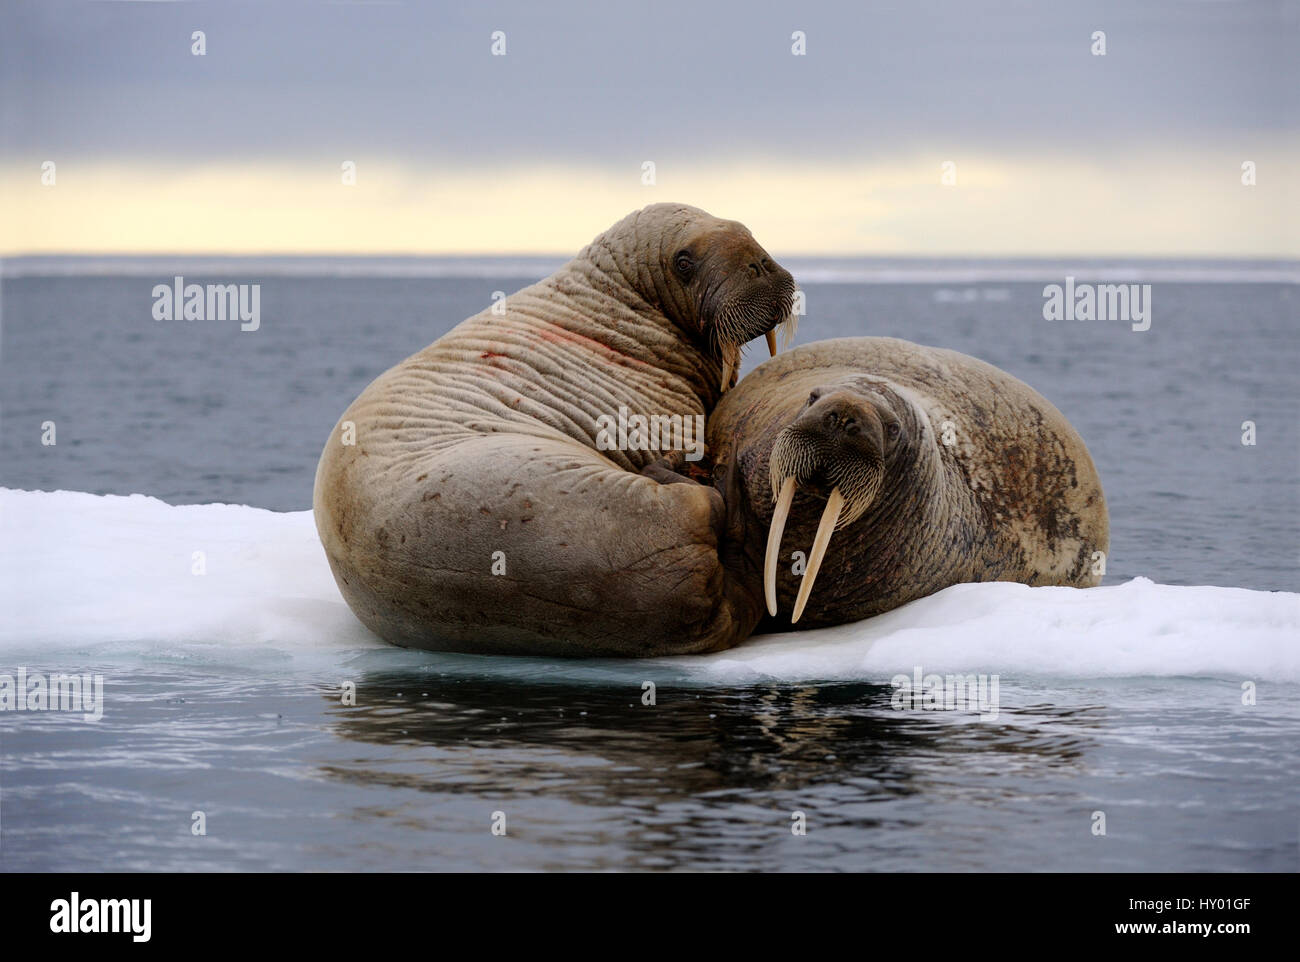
{"points": [[490, 354], [562, 336]]}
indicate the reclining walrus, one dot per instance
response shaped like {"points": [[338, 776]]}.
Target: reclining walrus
{"points": [[477, 508], [897, 470]]}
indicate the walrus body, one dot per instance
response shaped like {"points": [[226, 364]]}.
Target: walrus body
{"points": [[902, 470], [473, 510]]}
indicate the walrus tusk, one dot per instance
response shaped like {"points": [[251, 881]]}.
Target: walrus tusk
{"points": [[774, 542], [824, 531], [771, 342], [728, 367]]}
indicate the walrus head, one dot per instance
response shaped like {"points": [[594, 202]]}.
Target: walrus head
{"points": [[838, 448], [712, 278]]}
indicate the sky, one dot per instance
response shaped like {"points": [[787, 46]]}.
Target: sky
{"points": [[929, 127]]}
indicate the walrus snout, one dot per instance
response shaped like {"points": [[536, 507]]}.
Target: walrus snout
{"points": [[840, 442], [853, 425], [751, 296]]}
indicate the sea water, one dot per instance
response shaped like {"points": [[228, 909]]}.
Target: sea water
{"points": [[163, 545]]}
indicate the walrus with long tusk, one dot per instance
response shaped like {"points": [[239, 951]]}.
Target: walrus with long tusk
{"points": [[900, 470], [476, 498]]}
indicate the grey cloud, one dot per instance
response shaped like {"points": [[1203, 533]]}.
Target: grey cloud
{"points": [[625, 83]]}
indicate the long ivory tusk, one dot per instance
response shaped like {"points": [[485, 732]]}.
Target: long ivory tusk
{"points": [[728, 367], [771, 343], [774, 542], [824, 531]]}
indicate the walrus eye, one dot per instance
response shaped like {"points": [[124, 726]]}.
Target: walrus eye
{"points": [[893, 430], [812, 398], [684, 264]]}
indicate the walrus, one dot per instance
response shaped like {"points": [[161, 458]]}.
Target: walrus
{"points": [[477, 496], [900, 470]]}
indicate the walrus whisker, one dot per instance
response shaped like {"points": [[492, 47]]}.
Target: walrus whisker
{"points": [[734, 322], [824, 531], [774, 533], [788, 326], [861, 482]]}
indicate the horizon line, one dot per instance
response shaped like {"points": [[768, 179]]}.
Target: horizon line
{"points": [[862, 269]]}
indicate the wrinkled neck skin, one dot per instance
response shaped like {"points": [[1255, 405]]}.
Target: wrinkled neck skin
{"points": [[640, 318], [639, 262], [872, 562], [602, 332]]}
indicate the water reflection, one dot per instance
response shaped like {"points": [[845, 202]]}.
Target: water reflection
{"points": [[705, 775]]}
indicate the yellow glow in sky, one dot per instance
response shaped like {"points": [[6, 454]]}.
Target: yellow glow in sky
{"points": [[1174, 202]]}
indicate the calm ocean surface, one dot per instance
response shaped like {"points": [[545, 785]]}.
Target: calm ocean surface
{"points": [[409, 778]]}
